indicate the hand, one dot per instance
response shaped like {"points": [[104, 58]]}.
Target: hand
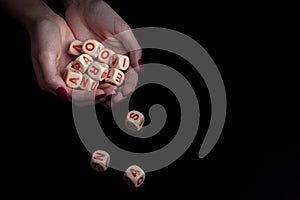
{"points": [[95, 19]]}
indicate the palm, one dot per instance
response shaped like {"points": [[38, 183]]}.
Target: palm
{"points": [[98, 21], [49, 49]]}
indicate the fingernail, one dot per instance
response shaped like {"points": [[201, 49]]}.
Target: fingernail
{"points": [[140, 62], [99, 96], [62, 93], [141, 66]]}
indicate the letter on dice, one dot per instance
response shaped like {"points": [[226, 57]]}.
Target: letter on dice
{"points": [[96, 70], [134, 176], [120, 61], [72, 78], [100, 160], [114, 76], [87, 83], [82, 62], [105, 55], [134, 120], [75, 48], [92, 47]]}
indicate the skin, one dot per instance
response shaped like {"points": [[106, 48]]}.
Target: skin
{"points": [[51, 35]]}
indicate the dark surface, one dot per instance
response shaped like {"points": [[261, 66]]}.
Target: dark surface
{"points": [[256, 157]]}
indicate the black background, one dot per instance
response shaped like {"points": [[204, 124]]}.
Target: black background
{"points": [[257, 154]]}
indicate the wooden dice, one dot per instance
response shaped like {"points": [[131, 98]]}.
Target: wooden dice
{"points": [[100, 160], [96, 70], [134, 176], [114, 76], [93, 65], [105, 55], [92, 47], [120, 62], [72, 78], [134, 120], [75, 48], [82, 62]]}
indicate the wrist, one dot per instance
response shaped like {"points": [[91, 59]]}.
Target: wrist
{"points": [[26, 12]]}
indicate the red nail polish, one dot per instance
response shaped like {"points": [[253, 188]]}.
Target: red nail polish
{"points": [[141, 66], [140, 62], [62, 93]]}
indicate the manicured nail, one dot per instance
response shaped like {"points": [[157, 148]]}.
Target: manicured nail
{"points": [[141, 66], [140, 62], [99, 96], [63, 94]]}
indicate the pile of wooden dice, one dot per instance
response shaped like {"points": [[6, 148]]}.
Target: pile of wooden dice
{"points": [[93, 65], [134, 175]]}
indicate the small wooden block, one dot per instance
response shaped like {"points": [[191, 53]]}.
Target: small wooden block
{"points": [[96, 70], [114, 76], [120, 62], [75, 48], [70, 65], [87, 83], [134, 176], [105, 55], [100, 160], [134, 120], [92, 47], [72, 78], [82, 62]]}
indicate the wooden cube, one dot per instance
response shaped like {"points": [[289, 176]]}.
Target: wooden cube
{"points": [[72, 78], [87, 83], [92, 47], [75, 48], [114, 76], [120, 62], [82, 62], [70, 65], [134, 176], [100, 160], [134, 120], [105, 55], [96, 70]]}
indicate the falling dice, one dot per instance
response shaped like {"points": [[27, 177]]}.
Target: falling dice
{"points": [[75, 48], [105, 55], [96, 70], [92, 47], [134, 176], [100, 160], [120, 62], [72, 78], [114, 76], [82, 62], [134, 120]]}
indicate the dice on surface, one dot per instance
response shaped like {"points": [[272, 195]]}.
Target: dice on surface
{"points": [[97, 70], [134, 176], [82, 62], [100, 160], [105, 55], [72, 78], [92, 47], [134, 120], [87, 83], [120, 62], [75, 48], [114, 76]]}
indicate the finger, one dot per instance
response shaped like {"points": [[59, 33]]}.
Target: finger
{"points": [[130, 82], [132, 46]]}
